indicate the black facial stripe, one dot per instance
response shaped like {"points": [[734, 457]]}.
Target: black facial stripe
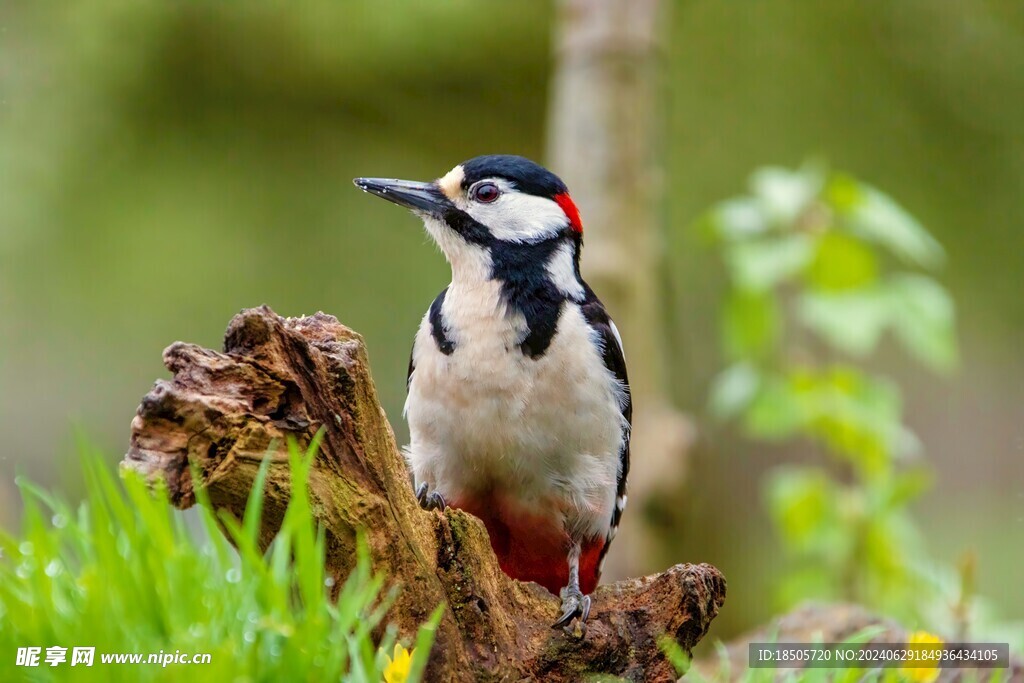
{"points": [[528, 177], [527, 288], [475, 232], [521, 268], [542, 319], [471, 230], [444, 343]]}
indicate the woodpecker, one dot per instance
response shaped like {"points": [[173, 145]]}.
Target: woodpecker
{"points": [[518, 403]]}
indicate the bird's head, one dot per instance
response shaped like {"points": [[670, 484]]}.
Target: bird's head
{"points": [[494, 202]]}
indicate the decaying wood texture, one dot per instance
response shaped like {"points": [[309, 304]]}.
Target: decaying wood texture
{"points": [[279, 378], [605, 141]]}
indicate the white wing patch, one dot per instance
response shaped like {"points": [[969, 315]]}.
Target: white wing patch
{"points": [[618, 338]]}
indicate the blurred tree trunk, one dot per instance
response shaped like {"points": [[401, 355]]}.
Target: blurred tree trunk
{"points": [[603, 139]]}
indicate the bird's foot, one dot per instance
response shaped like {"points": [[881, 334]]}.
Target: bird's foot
{"points": [[430, 500], [574, 604]]}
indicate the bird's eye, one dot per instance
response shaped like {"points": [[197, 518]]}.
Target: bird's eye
{"points": [[485, 192]]}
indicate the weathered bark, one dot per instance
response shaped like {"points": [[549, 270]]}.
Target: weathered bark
{"points": [[603, 139], [281, 378]]}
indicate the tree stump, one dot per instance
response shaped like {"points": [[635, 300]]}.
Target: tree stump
{"points": [[289, 377]]}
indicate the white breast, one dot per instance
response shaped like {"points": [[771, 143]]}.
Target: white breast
{"points": [[542, 431]]}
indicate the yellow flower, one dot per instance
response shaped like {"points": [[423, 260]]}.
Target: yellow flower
{"points": [[397, 670], [925, 670]]}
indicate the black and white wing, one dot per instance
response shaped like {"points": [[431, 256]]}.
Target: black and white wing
{"points": [[614, 359]]}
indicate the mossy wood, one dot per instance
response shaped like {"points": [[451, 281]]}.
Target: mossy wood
{"points": [[289, 377]]}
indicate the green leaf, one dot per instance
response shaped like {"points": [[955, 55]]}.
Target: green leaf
{"points": [[917, 309], [785, 194], [851, 322], [857, 416], [740, 218], [761, 264], [733, 390], [907, 486], [424, 642], [807, 581], [804, 504], [254, 507], [875, 216], [776, 412], [750, 325], [842, 263], [674, 653], [923, 320]]}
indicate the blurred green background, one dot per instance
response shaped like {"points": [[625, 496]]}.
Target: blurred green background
{"points": [[163, 165]]}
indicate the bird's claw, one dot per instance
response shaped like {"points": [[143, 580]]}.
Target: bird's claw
{"points": [[574, 604], [430, 500]]}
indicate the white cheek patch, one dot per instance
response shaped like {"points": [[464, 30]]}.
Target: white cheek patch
{"points": [[517, 216], [562, 271]]}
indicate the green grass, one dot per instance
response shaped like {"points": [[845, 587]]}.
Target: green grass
{"points": [[124, 573]]}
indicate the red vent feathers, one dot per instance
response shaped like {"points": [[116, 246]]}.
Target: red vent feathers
{"points": [[571, 212]]}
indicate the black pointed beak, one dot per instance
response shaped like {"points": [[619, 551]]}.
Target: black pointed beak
{"points": [[423, 198]]}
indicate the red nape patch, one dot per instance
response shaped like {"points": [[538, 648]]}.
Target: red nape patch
{"points": [[529, 547], [569, 207]]}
